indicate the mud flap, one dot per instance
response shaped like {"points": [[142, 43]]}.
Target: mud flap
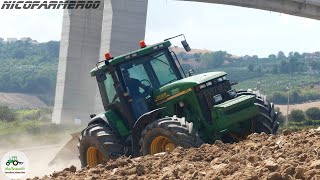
{"points": [[68, 152]]}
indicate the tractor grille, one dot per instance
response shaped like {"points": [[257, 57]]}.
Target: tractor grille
{"points": [[205, 96], [221, 88]]}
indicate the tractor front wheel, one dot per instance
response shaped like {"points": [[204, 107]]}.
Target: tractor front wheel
{"points": [[166, 134], [97, 144], [267, 120]]}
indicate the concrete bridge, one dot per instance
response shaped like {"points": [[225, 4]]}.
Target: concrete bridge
{"points": [[117, 27]]}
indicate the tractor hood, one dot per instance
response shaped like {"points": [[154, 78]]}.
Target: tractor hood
{"points": [[186, 83]]}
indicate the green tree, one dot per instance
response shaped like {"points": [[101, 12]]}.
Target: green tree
{"points": [[297, 115], [284, 66], [7, 114], [293, 65], [251, 67], [297, 55], [255, 57], [281, 55], [315, 65], [274, 69], [272, 56], [259, 69], [313, 113], [215, 59]]}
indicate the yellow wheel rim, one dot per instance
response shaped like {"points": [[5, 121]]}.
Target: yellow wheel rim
{"points": [[161, 144], [94, 157]]}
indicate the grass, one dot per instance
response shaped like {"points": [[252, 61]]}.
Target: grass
{"points": [[18, 126], [298, 126]]}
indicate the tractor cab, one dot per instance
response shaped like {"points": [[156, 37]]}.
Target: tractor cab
{"points": [[127, 82], [140, 77]]}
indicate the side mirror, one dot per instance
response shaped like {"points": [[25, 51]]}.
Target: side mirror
{"points": [[101, 75], [191, 72], [185, 45]]}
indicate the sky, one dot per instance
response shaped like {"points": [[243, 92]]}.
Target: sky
{"points": [[237, 30]]}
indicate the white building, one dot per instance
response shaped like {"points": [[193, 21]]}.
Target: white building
{"points": [[26, 39], [9, 40]]}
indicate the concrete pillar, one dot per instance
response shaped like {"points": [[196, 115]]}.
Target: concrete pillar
{"points": [[117, 27], [123, 26]]}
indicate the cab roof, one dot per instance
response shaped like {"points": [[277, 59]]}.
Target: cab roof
{"points": [[132, 55]]}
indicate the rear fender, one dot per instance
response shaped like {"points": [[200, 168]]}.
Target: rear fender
{"points": [[138, 127]]}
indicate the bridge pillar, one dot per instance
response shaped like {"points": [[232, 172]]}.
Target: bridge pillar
{"points": [[117, 27]]}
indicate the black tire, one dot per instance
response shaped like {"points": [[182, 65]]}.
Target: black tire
{"points": [[177, 130], [103, 139], [7, 163], [15, 163], [268, 120]]}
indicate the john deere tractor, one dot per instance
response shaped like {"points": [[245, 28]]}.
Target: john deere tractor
{"points": [[152, 106]]}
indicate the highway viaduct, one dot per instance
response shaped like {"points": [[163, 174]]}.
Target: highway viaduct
{"points": [[117, 27]]}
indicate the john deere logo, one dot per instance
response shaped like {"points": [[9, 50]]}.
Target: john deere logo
{"points": [[14, 164]]}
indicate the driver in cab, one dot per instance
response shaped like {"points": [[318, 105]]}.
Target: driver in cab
{"points": [[139, 106], [133, 84]]}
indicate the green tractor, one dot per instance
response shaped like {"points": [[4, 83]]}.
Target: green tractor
{"points": [[13, 160], [152, 106]]}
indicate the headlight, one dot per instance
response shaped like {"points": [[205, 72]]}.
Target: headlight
{"points": [[209, 83], [217, 98], [202, 86], [232, 93], [224, 78], [220, 79]]}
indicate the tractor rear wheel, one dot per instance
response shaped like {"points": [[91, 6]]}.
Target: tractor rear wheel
{"points": [[97, 144], [166, 134], [267, 121], [15, 163]]}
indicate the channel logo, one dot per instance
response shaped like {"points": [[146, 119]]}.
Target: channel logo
{"points": [[14, 164]]}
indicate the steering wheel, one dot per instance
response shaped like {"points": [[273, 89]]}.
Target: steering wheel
{"points": [[148, 88], [145, 80]]}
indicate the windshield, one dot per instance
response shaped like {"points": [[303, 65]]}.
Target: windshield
{"points": [[150, 71], [163, 69]]}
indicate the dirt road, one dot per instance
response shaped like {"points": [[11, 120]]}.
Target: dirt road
{"points": [[260, 156], [304, 106]]}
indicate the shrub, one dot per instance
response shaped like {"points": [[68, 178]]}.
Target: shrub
{"points": [[7, 114], [297, 116], [313, 113]]}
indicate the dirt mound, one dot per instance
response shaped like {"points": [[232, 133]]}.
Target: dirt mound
{"points": [[289, 156]]}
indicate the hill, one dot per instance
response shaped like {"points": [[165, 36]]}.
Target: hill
{"points": [[21, 101], [29, 68]]}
